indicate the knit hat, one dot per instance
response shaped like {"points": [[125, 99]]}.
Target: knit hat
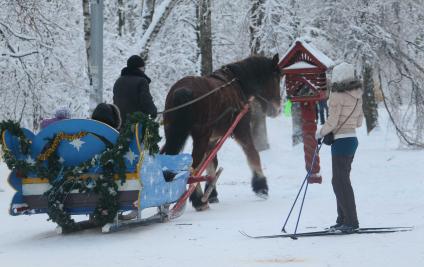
{"points": [[135, 61], [62, 113], [343, 72], [344, 78]]}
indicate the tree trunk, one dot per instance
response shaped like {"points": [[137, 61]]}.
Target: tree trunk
{"points": [[132, 16], [257, 16], [121, 17], [153, 29], [258, 117], [205, 36], [369, 103], [87, 35], [148, 11]]}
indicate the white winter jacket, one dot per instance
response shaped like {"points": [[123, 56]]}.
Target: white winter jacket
{"points": [[341, 105]]}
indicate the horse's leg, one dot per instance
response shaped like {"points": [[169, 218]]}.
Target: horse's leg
{"points": [[244, 138], [200, 146], [175, 136], [211, 171]]}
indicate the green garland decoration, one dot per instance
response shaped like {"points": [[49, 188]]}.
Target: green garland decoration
{"points": [[66, 179], [16, 130]]}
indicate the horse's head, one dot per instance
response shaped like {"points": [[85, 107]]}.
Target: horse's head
{"points": [[270, 95], [260, 77]]}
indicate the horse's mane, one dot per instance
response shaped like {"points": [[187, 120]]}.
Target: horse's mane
{"points": [[253, 72]]}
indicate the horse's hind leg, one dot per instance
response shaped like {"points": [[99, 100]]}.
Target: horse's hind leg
{"points": [[176, 136], [211, 171], [200, 146], [244, 138], [178, 124]]}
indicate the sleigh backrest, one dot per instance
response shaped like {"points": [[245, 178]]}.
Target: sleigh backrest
{"points": [[83, 140], [96, 137]]}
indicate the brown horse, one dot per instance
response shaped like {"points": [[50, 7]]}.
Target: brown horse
{"points": [[207, 119]]}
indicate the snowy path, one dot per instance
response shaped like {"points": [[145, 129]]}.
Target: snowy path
{"points": [[388, 182]]}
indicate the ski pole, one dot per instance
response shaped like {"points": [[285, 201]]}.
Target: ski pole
{"points": [[306, 187], [288, 216], [317, 149]]}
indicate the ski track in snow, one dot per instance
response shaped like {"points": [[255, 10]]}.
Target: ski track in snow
{"points": [[388, 184]]}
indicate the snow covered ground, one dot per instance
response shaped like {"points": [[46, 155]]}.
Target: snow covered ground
{"points": [[389, 188]]}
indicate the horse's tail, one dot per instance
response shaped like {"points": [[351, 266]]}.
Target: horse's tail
{"points": [[177, 128]]}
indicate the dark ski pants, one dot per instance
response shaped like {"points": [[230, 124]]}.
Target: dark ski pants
{"points": [[342, 153]]}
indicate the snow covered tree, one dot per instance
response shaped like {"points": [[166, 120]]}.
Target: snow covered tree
{"points": [[44, 47], [258, 116], [369, 104], [257, 16], [40, 63], [148, 11], [173, 51], [204, 36]]}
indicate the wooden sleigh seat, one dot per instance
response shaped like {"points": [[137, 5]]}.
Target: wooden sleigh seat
{"points": [[144, 187]]}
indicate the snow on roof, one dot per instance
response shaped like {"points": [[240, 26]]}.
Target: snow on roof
{"points": [[319, 55], [300, 65], [314, 51]]}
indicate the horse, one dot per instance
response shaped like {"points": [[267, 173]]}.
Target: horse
{"points": [[208, 117]]}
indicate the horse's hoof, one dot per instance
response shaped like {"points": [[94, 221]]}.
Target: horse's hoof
{"points": [[213, 200], [202, 207], [263, 193], [260, 186]]}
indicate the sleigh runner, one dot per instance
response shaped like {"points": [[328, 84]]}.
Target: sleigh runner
{"points": [[79, 166]]}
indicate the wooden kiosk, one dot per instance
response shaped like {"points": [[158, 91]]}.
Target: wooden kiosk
{"points": [[304, 69]]}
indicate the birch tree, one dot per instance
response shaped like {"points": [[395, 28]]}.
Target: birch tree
{"points": [[148, 11]]}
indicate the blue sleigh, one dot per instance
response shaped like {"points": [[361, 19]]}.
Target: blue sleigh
{"points": [[144, 186]]}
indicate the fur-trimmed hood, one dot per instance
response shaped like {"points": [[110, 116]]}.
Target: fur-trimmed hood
{"points": [[346, 86], [135, 72]]}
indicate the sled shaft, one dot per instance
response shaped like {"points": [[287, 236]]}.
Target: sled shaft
{"points": [[210, 157]]}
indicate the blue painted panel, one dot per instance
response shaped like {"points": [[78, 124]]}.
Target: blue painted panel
{"points": [[17, 199], [73, 126], [175, 162], [156, 191], [80, 150]]}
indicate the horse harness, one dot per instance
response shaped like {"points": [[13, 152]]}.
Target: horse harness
{"points": [[198, 98], [222, 74]]}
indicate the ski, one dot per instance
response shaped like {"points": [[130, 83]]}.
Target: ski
{"points": [[368, 230], [382, 228]]}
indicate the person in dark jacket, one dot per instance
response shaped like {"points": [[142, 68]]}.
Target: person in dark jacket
{"points": [[109, 114], [131, 90]]}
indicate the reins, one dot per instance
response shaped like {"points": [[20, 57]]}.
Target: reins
{"points": [[262, 98], [198, 98]]}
